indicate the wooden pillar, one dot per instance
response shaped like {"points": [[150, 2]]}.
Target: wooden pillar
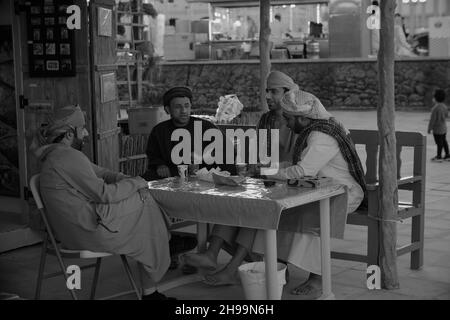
{"points": [[388, 193], [264, 51]]}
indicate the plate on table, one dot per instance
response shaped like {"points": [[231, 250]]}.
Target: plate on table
{"points": [[227, 180]]}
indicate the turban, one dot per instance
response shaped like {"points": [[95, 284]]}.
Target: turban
{"points": [[277, 79], [69, 117], [176, 92], [300, 103]]}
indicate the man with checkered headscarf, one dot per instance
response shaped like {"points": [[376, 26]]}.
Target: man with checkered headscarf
{"points": [[322, 148], [92, 208]]}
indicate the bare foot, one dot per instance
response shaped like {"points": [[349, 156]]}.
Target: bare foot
{"points": [[312, 288], [221, 278], [199, 260]]}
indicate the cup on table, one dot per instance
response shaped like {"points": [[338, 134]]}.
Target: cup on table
{"points": [[183, 171]]}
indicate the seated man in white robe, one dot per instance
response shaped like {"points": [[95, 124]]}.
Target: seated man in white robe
{"points": [[92, 208], [323, 148]]}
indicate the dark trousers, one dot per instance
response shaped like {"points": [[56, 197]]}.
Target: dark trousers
{"points": [[441, 143]]}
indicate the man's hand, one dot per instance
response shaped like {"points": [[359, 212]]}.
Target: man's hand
{"points": [[144, 193], [163, 171]]}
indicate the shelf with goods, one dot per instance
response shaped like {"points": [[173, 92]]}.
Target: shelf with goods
{"points": [[130, 65]]}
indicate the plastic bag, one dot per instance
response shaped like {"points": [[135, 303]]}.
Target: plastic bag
{"points": [[229, 108]]}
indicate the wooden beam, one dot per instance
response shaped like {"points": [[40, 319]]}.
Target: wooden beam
{"points": [[264, 51], [388, 195]]}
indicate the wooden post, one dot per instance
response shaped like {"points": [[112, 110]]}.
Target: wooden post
{"points": [[388, 193], [264, 51]]}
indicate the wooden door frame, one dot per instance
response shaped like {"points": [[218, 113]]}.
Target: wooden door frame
{"points": [[98, 69], [13, 204]]}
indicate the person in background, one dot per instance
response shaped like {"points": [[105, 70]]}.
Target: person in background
{"points": [[375, 35], [238, 29], [404, 27], [92, 208], [438, 125], [402, 47], [252, 28], [278, 31]]}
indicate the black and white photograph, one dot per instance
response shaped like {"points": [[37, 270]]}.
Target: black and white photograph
{"points": [[35, 21], [62, 20], [36, 34], [64, 49], [63, 8], [49, 9], [255, 155], [50, 48], [39, 65], [49, 21], [66, 65], [49, 34], [38, 48], [35, 10], [52, 65], [64, 34]]}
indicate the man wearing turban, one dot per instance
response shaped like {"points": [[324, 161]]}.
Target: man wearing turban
{"points": [[273, 119], [91, 208], [322, 148]]}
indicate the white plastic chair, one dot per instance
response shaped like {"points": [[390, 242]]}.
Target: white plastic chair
{"points": [[55, 249]]}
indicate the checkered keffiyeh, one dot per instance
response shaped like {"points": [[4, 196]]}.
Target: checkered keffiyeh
{"points": [[332, 128]]}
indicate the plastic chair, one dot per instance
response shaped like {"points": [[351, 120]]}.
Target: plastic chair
{"points": [[55, 249]]}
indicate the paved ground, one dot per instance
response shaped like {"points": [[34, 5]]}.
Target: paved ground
{"points": [[18, 268]]}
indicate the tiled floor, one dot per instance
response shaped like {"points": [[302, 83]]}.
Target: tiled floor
{"points": [[18, 268]]}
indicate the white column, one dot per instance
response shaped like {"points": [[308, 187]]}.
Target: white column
{"points": [[412, 14], [271, 263], [423, 18], [325, 249]]}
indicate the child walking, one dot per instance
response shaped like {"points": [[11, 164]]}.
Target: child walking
{"points": [[438, 125]]}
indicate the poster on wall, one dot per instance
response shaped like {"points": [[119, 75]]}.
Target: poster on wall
{"points": [[104, 22], [108, 87], [50, 43]]}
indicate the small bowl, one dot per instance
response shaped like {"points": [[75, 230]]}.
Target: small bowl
{"points": [[269, 183]]}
